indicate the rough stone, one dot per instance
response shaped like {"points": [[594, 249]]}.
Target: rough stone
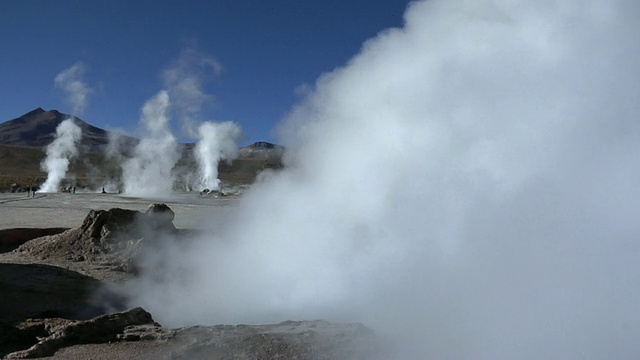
{"points": [[112, 236], [62, 333]]}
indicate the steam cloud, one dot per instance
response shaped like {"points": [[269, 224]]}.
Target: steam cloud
{"points": [[184, 81], [148, 172], [60, 153], [218, 141], [71, 82], [467, 184]]}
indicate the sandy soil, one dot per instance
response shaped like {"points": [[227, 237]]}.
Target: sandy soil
{"points": [[45, 210], [68, 210]]}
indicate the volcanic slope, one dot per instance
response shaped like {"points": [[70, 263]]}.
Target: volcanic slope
{"points": [[38, 127]]}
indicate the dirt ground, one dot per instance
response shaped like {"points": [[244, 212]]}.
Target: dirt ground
{"points": [[65, 210], [58, 287], [46, 210]]}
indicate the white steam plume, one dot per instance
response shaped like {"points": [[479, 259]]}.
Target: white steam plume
{"points": [[184, 81], [60, 153], [71, 82], [217, 141], [467, 184], [148, 172]]}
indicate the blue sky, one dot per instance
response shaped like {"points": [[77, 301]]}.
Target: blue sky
{"points": [[267, 49]]}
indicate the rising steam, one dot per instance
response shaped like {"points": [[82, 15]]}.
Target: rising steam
{"points": [[217, 141], [76, 90], [184, 81], [467, 184], [60, 153], [68, 135], [148, 172]]}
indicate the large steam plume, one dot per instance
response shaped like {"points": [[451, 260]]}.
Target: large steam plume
{"points": [[148, 172], [68, 135], [217, 141], [60, 153], [467, 184]]}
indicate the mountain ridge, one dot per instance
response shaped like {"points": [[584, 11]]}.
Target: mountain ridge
{"points": [[37, 128]]}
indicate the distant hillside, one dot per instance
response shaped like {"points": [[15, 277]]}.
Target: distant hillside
{"points": [[20, 165], [22, 142], [262, 150], [38, 127]]}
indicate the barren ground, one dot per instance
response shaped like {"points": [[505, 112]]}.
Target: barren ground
{"points": [[31, 288], [68, 210]]}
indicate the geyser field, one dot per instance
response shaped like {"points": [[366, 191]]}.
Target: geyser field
{"points": [[466, 186]]}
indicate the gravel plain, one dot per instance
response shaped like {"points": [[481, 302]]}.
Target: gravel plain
{"points": [[17, 210]]}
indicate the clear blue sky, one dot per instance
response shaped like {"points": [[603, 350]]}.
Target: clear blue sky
{"points": [[267, 49]]}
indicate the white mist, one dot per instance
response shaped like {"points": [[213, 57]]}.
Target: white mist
{"points": [[217, 141], [149, 171], [467, 184], [60, 153]]}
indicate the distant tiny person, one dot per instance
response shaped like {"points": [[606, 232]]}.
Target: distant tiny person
{"points": [[104, 192]]}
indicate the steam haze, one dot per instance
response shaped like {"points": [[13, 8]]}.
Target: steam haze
{"points": [[184, 81], [466, 185], [76, 90]]}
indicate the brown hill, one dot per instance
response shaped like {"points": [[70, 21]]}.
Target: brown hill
{"points": [[38, 127]]}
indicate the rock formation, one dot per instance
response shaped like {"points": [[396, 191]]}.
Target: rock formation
{"points": [[112, 237], [52, 334]]}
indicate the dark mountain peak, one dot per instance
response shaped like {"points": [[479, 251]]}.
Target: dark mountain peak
{"points": [[42, 113], [262, 149], [38, 127], [34, 112], [57, 113], [262, 145]]}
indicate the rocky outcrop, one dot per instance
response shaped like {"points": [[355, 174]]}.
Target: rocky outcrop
{"points": [[112, 237], [54, 334], [311, 340]]}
